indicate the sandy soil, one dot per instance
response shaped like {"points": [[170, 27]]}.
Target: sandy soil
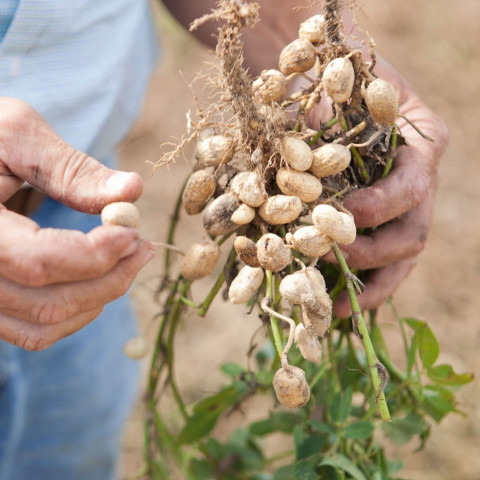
{"points": [[435, 45]]}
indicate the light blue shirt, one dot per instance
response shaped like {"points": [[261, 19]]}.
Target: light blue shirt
{"points": [[83, 64]]}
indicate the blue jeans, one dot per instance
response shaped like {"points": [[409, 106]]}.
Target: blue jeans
{"points": [[62, 409]]}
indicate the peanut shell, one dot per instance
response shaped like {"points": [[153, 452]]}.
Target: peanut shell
{"points": [[245, 285], [313, 29], [243, 214], [198, 190], [297, 56], [270, 86], [297, 153], [301, 184], [272, 253], [280, 209], [309, 346], [338, 79], [200, 260], [215, 150], [217, 217], [136, 348], [249, 188], [330, 159], [125, 214], [382, 102], [339, 226], [246, 250], [310, 242], [291, 387]]}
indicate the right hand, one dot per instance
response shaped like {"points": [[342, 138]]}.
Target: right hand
{"points": [[54, 282]]}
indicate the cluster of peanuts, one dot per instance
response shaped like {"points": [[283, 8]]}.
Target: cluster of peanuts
{"points": [[230, 198], [235, 194]]}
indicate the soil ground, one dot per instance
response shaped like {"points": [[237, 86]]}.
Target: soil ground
{"points": [[435, 45]]}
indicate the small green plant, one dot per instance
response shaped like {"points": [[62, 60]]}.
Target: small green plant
{"points": [[259, 179]]}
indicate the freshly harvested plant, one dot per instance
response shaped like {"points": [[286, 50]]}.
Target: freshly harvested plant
{"points": [[270, 185]]}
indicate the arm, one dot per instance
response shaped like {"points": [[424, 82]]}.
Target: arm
{"points": [[54, 282]]}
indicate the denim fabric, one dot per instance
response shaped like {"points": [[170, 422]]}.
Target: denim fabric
{"points": [[62, 409]]}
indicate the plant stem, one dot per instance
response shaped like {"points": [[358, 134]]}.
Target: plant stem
{"points": [[372, 359], [393, 145], [205, 305], [273, 321], [322, 132], [172, 227], [356, 154], [171, 335]]}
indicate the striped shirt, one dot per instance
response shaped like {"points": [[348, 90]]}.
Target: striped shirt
{"points": [[83, 64]]}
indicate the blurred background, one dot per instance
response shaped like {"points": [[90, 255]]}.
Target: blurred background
{"points": [[435, 45]]}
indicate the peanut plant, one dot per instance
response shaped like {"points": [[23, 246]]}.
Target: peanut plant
{"points": [[269, 186]]}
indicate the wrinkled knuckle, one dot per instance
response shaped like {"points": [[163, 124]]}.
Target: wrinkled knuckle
{"points": [[50, 313], [34, 342], [73, 170]]}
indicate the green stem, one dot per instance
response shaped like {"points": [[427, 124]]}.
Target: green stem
{"points": [[372, 359], [171, 335], [333, 362], [205, 305], [278, 456], [393, 145], [172, 227], [273, 321], [356, 154], [322, 132]]}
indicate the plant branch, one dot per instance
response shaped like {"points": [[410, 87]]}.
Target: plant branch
{"points": [[372, 359]]}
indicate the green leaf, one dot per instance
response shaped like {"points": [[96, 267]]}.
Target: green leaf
{"points": [[343, 463], [326, 428], [445, 375], [220, 401], [359, 430], [200, 469], [310, 446], [394, 466], [438, 401], [402, 430], [285, 473], [305, 470], [331, 473], [232, 369], [334, 408], [412, 352], [427, 343], [345, 404], [198, 425], [285, 421], [262, 427]]}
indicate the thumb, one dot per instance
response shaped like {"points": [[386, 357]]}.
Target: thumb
{"points": [[33, 152]]}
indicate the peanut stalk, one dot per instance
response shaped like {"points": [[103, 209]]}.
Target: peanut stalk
{"points": [[373, 362]]}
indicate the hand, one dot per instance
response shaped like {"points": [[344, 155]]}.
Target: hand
{"points": [[54, 282], [399, 207]]}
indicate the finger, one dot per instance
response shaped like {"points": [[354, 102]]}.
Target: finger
{"points": [[403, 238], [380, 285], [35, 337], [34, 152], [410, 182], [60, 302], [32, 256], [9, 184]]}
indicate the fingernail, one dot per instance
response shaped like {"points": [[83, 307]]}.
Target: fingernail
{"points": [[148, 256], [130, 249], [117, 181]]}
